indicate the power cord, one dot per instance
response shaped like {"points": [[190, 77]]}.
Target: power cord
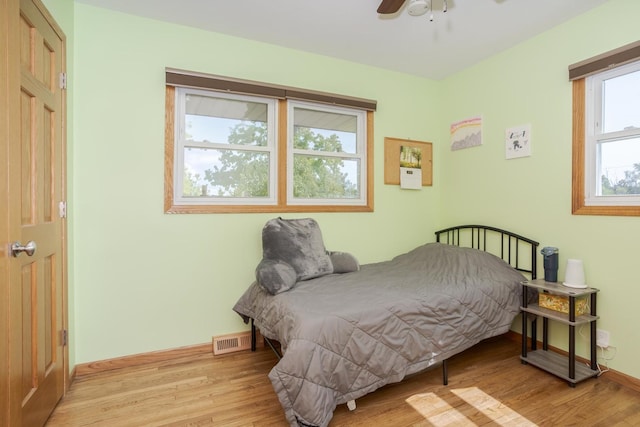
{"points": [[603, 355], [606, 359]]}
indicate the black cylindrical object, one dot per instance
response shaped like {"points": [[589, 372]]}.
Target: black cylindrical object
{"points": [[550, 263]]}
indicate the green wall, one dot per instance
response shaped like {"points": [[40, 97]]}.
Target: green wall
{"points": [[143, 281], [529, 84]]}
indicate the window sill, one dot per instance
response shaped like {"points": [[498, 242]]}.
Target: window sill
{"points": [[210, 209], [581, 209]]}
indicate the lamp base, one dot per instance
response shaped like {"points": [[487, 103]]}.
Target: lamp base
{"points": [[572, 285]]}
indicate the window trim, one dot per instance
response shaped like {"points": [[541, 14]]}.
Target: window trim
{"points": [[282, 152], [578, 73], [614, 58], [192, 79], [579, 167]]}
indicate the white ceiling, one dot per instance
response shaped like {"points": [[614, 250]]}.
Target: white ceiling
{"points": [[468, 32]]}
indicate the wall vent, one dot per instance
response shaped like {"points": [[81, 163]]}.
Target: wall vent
{"points": [[231, 343]]}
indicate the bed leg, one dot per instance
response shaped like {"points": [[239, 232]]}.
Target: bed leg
{"points": [[351, 405], [273, 348], [253, 336], [445, 372]]}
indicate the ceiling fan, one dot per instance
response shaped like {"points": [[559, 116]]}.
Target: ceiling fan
{"points": [[390, 6], [415, 7]]}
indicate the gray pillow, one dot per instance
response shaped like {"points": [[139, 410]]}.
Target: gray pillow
{"points": [[297, 242], [275, 276], [344, 262]]}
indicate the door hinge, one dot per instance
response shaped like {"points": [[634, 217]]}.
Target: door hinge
{"points": [[63, 80], [64, 337], [62, 209]]}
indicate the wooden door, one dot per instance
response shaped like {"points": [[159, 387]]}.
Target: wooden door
{"points": [[35, 290]]}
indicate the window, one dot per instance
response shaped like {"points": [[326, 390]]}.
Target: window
{"points": [[225, 149], [326, 155], [606, 141], [239, 146], [613, 137]]}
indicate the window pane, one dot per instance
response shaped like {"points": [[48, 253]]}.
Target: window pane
{"points": [[620, 167], [225, 121], [325, 178], [225, 173], [621, 102], [324, 131]]}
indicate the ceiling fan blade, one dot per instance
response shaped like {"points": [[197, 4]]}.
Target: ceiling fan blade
{"points": [[390, 6]]}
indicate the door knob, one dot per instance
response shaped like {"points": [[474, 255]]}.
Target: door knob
{"points": [[29, 248]]}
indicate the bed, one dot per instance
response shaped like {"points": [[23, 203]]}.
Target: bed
{"points": [[345, 335]]}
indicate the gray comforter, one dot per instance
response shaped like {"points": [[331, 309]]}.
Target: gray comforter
{"points": [[346, 335]]}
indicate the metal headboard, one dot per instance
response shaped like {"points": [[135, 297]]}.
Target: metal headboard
{"points": [[479, 236]]}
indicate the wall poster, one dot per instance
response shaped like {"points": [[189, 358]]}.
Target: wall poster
{"points": [[466, 133], [518, 142], [410, 167]]}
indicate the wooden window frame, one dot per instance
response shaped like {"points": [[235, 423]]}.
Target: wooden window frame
{"points": [[578, 205], [578, 73], [281, 206]]}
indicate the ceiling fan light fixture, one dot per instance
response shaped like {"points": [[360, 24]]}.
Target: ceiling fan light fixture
{"points": [[418, 7]]}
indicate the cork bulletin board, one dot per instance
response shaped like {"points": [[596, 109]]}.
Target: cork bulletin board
{"points": [[392, 160]]}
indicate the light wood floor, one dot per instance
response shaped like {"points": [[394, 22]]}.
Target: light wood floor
{"points": [[488, 386]]}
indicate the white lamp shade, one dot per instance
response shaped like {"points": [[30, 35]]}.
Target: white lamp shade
{"points": [[574, 274]]}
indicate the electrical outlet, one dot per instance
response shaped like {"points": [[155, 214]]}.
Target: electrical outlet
{"points": [[602, 338]]}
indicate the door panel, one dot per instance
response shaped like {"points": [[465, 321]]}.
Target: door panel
{"points": [[36, 187]]}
